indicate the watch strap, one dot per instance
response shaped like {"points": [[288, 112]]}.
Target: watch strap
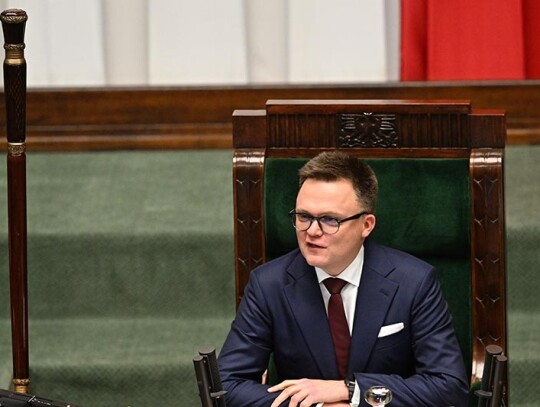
{"points": [[351, 385]]}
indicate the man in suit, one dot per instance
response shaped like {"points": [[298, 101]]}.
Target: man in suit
{"points": [[398, 331]]}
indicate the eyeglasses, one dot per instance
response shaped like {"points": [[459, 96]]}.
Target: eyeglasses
{"points": [[329, 225]]}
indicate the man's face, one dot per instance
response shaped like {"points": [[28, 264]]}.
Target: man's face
{"points": [[332, 253]]}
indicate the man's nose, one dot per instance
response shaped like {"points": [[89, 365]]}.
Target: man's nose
{"points": [[315, 228]]}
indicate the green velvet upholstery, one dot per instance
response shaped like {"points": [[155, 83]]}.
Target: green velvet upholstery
{"points": [[423, 209]]}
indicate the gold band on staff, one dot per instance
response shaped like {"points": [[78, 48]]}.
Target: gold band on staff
{"points": [[21, 385], [16, 149], [14, 54]]}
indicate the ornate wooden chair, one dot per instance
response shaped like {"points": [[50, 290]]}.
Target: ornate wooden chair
{"points": [[440, 170]]}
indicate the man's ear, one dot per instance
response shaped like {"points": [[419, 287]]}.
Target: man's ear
{"points": [[369, 224]]}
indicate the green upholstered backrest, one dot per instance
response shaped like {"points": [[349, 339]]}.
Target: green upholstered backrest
{"points": [[423, 208]]}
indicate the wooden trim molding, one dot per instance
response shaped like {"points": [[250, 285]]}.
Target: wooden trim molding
{"points": [[200, 117]]}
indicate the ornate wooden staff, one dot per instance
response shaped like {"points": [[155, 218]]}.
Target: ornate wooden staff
{"points": [[13, 25]]}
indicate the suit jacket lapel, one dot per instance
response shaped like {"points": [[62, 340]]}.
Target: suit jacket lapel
{"points": [[375, 295], [307, 306]]}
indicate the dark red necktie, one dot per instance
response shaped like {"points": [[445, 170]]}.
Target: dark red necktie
{"points": [[338, 323]]}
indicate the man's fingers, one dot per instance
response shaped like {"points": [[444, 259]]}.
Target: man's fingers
{"points": [[283, 385], [279, 399], [301, 398], [287, 392], [296, 394]]}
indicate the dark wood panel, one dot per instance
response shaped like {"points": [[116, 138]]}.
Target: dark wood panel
{"points": [[200, 117]]}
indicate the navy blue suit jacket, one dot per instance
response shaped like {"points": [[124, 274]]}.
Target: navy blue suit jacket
{"points": [[283, 313]]}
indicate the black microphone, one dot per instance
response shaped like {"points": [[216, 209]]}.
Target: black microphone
{"points": [[485, 394], [216, 388]]}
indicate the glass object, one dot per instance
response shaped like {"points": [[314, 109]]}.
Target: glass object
{"points": [[378, 396]]}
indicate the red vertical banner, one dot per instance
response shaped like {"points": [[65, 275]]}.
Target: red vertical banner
{"points": [[414, 40], [531, 23], [468, 40]]}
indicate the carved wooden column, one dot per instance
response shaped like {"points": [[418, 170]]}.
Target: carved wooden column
{"points": [[248, 216], [488, 257], [248, 167]]}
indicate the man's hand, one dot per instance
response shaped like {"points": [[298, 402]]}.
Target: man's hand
{"points": [[306, 392]]}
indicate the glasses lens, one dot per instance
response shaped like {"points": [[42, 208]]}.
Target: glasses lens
{"points": [[329, 225], [301, 221]]}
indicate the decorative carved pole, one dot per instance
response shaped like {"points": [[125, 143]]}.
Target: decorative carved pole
{"points": [[13, 25]]}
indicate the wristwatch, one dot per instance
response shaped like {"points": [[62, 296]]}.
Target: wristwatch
{"points": [[351, 385]]}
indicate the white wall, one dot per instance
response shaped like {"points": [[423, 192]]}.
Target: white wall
{"points": [[209, 42]]}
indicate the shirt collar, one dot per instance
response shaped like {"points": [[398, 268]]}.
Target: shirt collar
{"points": [[352, 272]]}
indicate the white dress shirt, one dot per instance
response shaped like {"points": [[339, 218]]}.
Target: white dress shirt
{"points": [[351, 274]]}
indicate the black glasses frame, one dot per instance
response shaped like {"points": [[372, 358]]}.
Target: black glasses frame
{"points": [[293, 213]]}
